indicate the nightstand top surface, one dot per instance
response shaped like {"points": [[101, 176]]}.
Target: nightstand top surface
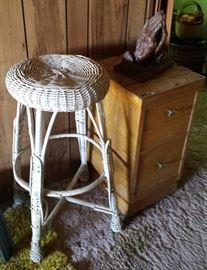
{"points": [[172, 78]]}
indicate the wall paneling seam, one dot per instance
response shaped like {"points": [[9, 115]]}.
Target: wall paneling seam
{"points": [[126, 28], [88, 27], [66, 25], [25, 31]]}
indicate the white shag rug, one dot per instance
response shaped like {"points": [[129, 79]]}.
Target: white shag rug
{"points": [[171, 234]]}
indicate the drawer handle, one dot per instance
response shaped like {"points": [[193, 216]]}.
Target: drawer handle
{"points": [[161, 165], [171, 113]]}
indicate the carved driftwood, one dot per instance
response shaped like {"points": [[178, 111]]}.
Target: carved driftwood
{"points": [[150, 41], [149, 58]]}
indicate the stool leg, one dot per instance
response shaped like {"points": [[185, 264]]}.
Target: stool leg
{"points": [[107, 160], [80, 117], [36, 182], [18, 194], [108, 165]]}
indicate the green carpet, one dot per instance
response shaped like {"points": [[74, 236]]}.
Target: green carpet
{"points": [[18, 221], [196, 155]]}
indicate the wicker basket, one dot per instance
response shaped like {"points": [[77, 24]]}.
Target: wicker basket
{"points": [[191, 56], [189, 25]]}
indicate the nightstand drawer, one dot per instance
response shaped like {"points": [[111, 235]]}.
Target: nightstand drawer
{"points": [[165, 132], [166, 122], [169, 111], [158, 166]]}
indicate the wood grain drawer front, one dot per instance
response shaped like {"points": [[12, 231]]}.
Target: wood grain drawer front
{"points": [[166, 122], [156, 167], [167, 131], [168, 111]]}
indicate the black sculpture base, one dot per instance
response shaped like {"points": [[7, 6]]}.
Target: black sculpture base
{"points": [[146, 70]]}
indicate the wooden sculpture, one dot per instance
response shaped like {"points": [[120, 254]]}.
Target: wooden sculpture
{"points": [[149, 57]]}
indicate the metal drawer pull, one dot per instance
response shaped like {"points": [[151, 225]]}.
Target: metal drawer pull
{"points": [[161, 165], [171, 113]]}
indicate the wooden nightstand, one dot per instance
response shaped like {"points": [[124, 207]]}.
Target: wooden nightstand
{"points": [[148, 124]]}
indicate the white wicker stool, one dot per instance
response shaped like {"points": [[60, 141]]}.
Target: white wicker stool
{"points": [[59, 83]]}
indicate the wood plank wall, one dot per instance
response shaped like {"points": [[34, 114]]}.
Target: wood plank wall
{"points": [[97, 28]]}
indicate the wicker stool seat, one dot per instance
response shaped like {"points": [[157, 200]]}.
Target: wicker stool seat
{"points": [[59, 83]]}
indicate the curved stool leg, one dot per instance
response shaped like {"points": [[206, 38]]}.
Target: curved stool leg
{"points": [[18, 196], [80, 118], [108, 170], [36, 181]]}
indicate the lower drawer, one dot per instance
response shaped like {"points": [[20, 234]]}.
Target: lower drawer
{"points": [[159, 165]]}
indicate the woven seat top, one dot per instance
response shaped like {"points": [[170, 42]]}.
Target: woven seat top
{"points": [[58, 82]]}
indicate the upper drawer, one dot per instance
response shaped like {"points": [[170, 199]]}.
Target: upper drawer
{"points": [[166, 122], [167, 131], [168, 111]]}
